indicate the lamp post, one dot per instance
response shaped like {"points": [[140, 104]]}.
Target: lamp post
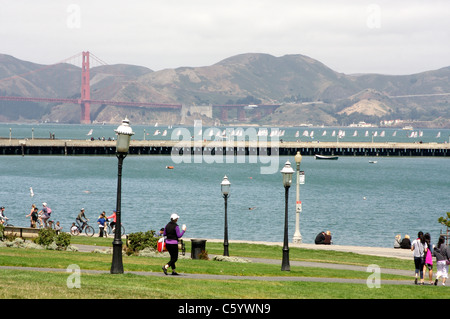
{"points": [[298, 206], [286, 172], [124, 133], [225, 187]]}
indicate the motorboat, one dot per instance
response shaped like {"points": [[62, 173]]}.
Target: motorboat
{"points": [[325, 157]]}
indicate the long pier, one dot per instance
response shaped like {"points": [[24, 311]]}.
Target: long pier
{"points": [[24, 147]]}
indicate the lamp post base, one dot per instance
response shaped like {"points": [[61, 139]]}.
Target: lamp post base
{"points": [[117, 265], [297, 239], [285, 261]]}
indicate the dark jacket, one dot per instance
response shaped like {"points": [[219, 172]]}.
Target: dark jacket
{"points": [[441, 253], [170, 231]]}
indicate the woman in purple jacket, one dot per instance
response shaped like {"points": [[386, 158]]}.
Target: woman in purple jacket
{"points": [[172, 233]]}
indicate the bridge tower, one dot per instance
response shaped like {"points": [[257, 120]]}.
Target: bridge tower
{"points": [[85, 90]]}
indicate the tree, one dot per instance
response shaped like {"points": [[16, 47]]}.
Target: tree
{"points": [[446, 222]]}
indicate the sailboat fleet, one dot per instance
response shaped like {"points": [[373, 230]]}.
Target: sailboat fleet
{"points": [[306, 135]]}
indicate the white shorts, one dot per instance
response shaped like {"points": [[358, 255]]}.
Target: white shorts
{"points": [[442, 269]]}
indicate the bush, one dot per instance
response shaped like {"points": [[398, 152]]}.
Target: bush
{"points": [[47, 236], [139, 241], [62, 240]]}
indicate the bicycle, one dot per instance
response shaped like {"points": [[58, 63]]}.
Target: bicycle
{"points": [[110, 230], [89, 230], [6, 223]]}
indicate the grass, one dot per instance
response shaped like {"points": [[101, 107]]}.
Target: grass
{"points": [[17, 284]]}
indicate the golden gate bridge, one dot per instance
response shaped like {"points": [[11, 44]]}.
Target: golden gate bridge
{"points": [[85, 100]]}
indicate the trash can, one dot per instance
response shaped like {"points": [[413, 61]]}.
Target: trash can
{"points": [[197, 246]]}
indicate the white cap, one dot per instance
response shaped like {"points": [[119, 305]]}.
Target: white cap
{"points": [[174, 216], [44, 204]]}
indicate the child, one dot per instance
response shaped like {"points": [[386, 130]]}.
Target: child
{"points": [[73, 229], [58, 228]]}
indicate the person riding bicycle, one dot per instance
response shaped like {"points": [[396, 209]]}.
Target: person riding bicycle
{"points": [[113, 223], [3, 217], [82, 223]]}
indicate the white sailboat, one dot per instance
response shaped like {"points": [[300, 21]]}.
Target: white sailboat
{"points": [[324, 133], [90, 132], [157, 132], [438, 135], [297, 134], [164, 133], [355, 133]]}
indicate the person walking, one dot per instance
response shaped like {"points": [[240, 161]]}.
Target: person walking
{"points": [[428, 257], [172, 233], [442, 255], [33, 216], [418, 247]]}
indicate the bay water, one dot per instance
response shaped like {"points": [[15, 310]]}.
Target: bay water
{"points": [[360, 202]]}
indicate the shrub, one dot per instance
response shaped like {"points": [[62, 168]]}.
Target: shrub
{"points": [[45, 237], [139, 241], [62, 240]]}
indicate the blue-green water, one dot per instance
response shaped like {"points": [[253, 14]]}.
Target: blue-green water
{"points": [[359, 202]]}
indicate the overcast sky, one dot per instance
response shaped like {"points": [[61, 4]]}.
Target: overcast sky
{"points": [[391, 37]]}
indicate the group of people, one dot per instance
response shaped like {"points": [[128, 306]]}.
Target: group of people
{"points": [[323, 238], [82, 220], [404, 243], [42, 217], [423, 252]]}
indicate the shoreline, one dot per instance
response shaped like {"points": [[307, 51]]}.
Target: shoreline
{"points": [[363, 250]]}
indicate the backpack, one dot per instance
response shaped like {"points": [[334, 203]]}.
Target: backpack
{"points": [[49, 211]]}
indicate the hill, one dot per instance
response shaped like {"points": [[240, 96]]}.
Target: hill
{"points": [[307, 90]]}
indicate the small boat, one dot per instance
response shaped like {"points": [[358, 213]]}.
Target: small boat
{"points": [[324, 157], [169, 167], [373, 162]]}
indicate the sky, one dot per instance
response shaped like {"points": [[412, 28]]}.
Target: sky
{"points": [[388, 37]]}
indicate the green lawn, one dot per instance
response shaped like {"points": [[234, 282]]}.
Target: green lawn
{"points": [[35, 284]]}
